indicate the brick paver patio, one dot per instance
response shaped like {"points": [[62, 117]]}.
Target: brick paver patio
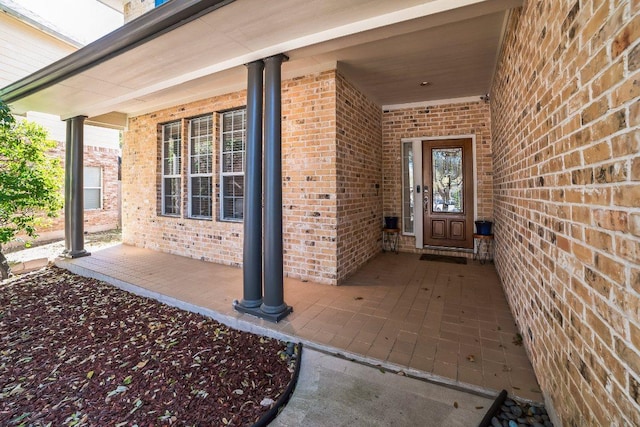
{"points": [[445, 322]]}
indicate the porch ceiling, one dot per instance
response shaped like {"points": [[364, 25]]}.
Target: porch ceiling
{"points": [[386, 48]]}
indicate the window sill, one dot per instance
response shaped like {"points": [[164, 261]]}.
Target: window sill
{"points": [[201, 218], [233, 221]]}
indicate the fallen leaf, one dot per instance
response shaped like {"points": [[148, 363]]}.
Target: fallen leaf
{"points": [[16, 390], [118, 390], [142, 364], [267, 402], [517, 339], [93, 344], [471, 358], [136, 405]]}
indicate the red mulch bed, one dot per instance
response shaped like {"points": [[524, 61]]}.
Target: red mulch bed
{"points": [[78, 352]]}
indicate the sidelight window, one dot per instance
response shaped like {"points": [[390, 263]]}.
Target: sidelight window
{"points": [[408, 188]]}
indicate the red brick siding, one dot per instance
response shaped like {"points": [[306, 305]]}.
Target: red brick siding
{"points": [[331, 183], [359, 177], [566, 141], [143, 224], [309, 177], [308, 146]]}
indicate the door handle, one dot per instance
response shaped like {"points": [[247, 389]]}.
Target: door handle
{"points": [[426, 198]]}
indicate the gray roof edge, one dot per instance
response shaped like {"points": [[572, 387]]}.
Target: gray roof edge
{"points": [[153, 24]]}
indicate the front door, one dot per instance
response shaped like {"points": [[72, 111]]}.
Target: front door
{"points": [[447, 169]]}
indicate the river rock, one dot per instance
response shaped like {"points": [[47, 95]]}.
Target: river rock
{"points": [[516, 410]]}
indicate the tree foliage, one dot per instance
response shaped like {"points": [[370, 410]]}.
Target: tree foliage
{"points": [[30, 179]]}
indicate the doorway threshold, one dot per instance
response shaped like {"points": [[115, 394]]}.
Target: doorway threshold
{"points": [[448, 249]]}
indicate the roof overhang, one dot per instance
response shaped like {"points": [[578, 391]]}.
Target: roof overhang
{"points": [[189, 49]]}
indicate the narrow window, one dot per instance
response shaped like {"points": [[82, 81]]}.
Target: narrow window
{"points": [[171, 169], [408, 188], [233, 134], [92, 178], [200, 168]]}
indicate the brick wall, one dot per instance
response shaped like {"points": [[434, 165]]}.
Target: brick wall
{"points": [[107, 218], [331, 219], [142, 224], [452, 119], [309, 177], [308, 146], [565, 114], [134, 8], [359, 177]]}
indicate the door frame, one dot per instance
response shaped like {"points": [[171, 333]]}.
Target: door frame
{"points": [[417, 178]]}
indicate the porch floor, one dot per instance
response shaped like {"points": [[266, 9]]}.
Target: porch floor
{"points": [[446, 322]]}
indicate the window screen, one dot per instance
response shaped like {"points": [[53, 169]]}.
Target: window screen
{"points": [[232, 155]]}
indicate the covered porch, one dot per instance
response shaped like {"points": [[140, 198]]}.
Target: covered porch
{"points": [[444, 322]]}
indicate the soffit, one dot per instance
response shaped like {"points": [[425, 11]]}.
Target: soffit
{"points": [[386, 48]]}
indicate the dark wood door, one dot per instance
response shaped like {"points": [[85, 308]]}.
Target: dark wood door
{"points": [[447, 168]]}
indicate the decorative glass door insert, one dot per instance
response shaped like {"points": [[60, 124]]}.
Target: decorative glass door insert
{"points": [[448, 180]]}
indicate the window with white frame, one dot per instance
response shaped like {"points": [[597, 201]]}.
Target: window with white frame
{"points": [[200, 167], [408, 188], [92, 182], [232, 160], [171, 168]]}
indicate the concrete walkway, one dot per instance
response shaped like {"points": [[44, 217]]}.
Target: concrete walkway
{"points": [[336, 392]]}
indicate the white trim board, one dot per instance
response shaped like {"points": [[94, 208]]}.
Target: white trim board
{"points": [[394, 107]]}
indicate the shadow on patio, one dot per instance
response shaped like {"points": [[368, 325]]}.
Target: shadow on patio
{"points": [[445, 322]]}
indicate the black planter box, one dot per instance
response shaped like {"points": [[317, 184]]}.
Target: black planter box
{"points": [[483, 228]]}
